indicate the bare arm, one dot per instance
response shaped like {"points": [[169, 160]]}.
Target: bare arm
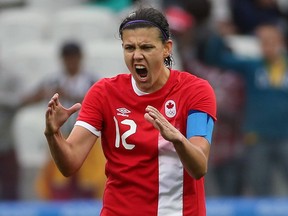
{"points": [[193, 153], [69, 154]]}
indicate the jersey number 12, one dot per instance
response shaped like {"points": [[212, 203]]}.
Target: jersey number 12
{"points": [[126, 134]]}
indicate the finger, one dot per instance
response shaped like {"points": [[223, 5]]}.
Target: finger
{"points": [[51, 104], [151, 109], [48, 112], [156, 112], [148, 117], [55, 98], [74, 108], [158, 116], [151, 120], [159, 125]]}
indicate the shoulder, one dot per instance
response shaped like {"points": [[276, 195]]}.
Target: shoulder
{"points": [[197, 93], [190, 81]]}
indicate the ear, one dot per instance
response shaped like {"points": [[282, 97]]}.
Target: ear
{"points": [[168, 48]]}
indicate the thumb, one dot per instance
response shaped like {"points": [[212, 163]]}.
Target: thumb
{"points": [[74, 108]]}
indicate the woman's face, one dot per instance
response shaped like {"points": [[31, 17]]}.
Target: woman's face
{"points": [[144, 55]]}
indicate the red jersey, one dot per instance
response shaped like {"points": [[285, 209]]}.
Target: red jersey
{"points": [[144, 173]]}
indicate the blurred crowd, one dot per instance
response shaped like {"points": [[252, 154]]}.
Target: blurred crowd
{"points": [[239, 46]]}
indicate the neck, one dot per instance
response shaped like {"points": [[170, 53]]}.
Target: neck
{"points": [[163, 79]]}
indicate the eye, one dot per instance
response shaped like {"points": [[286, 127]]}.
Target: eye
{"points": [[129, 48], [147, 47]]}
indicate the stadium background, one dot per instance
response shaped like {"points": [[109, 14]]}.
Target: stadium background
{"points": [[31, 32]]}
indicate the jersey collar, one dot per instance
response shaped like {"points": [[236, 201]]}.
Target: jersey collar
{"points": [[136, 89]]}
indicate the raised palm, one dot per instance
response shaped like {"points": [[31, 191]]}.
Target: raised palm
{"points": [[167, 130], [57, 115]]}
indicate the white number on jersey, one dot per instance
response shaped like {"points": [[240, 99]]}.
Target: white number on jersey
{"points": [[126, 134]]}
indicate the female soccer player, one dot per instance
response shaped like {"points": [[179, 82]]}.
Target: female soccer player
{"points": [[155, 126]]}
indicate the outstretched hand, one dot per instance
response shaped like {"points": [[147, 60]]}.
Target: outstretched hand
{"points": [[167, 130], [56, 115]]}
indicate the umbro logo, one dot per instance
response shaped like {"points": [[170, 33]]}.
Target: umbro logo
{"points": [[123, 112]]}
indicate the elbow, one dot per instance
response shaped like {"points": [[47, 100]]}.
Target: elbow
{"points": [[199, 173], [200, 170], [67, 168], [67, 172]]}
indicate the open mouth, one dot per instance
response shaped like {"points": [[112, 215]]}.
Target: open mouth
{"points": [[141, 71]]}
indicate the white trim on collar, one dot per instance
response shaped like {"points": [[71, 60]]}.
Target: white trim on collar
{"points": [[136, 89]]}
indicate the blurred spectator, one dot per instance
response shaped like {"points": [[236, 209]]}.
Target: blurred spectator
{"points": [[190, 25], [71, 83], [10, 88], [266, 128], [248, 14], [226, 160], [199, 9]]}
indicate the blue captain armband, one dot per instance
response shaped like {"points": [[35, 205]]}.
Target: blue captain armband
{"points": [[199, 124]]}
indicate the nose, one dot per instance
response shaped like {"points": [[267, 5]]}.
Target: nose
{"points": [[138, 54]]}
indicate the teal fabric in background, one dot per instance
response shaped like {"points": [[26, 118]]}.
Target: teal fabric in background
{"points": [[266, 106], [115, 5]]}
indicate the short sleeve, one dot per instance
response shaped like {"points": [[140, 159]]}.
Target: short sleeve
{"points": [[91, 112], [204, 100]]}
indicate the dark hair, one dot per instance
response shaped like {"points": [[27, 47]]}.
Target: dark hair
{"points": [[147, 18], [70, 48]]}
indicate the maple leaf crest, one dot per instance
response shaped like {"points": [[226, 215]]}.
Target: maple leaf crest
{"points": [[170, 105]]}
